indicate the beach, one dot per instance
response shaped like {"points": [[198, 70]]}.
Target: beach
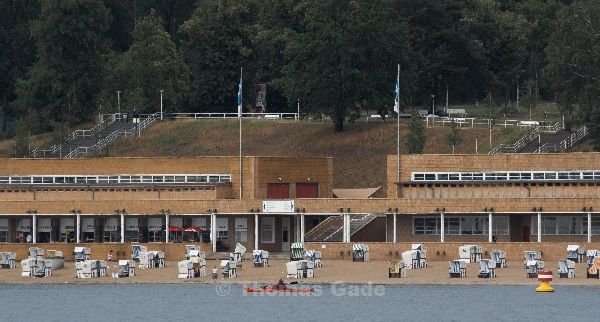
{"points": [[334, 271]]}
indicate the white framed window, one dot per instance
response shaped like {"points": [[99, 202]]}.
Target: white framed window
{"points": [[267, 230], [515, 176], [241, 230], [562, 225], [461, 225]]}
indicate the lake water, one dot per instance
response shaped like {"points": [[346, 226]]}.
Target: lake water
{"points": [[151, 302]]}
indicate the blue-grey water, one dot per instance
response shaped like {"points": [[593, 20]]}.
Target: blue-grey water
{"points": [[192, 302]]}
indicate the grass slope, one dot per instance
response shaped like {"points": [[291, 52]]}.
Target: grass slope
{"points": [[359, 152]]}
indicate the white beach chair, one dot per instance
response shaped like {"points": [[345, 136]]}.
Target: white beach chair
{"points": [[126, 268], [575, 253], [457, 268], [27, 266], [8, 260], [36, 252], [136, 250], [533, 267], [292, 270], [309, 255], [499, 258], [238, 253], [318, 259], [82, 254], [185, 269], [566, 268], [228, 268], [470, 253], [531, 255], [422, 257], [310, 269], [487, 268], [257, 258]]}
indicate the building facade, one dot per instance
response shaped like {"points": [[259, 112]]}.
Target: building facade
{"points": [[270, 202]]}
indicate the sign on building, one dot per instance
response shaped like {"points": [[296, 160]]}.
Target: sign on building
{"points": [[278, 206]]}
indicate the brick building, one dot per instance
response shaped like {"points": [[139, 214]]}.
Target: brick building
{"points": [[274, 201]]}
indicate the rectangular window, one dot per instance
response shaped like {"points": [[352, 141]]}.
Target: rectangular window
{"points": [[453, 176], [548, 225], [550, 176], [538, 176], [241, 230], [267, 230], [525, 176], [588, 175], [418, 176], [442, 177], [500, 225], [563, 176], [514, 176], [452, 226], [429, 176], [425, 226]]}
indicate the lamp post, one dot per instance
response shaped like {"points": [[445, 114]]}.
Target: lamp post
{"points": [[432, 104], [161, 104], [119, 102]]}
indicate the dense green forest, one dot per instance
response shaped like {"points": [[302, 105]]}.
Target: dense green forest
{"points": [[62, 61]]}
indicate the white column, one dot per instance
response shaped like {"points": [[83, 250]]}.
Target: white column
{"points": [[297, 228], [302, 228], [394, 237], [344, 227], [255, 231], [122, 228], [589, 227], [34, 228], [490, 227], [167, 228], [213, 232], [539, 227], [441, 227], [78, 227]]}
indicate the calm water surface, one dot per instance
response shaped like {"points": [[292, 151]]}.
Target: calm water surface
{"points": [[151, 302]]}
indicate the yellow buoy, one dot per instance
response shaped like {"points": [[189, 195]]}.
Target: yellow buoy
{"points": [[544, 278]]}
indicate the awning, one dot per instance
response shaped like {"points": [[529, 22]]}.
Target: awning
{"points": [[175, 229], [362, 193], [193, 229]]}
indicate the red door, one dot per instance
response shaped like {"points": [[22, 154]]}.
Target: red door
{"points": [[526, 234], [307, 190], [278, 191]]}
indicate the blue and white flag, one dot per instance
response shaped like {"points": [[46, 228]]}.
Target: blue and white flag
{"points": [[397, 92], [239, 96]]}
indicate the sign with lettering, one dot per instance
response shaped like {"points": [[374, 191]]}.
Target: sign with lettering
{"points": [[155, 223], [67, 224], [111, 224], [24, 225], [278, 206], [241, 224], [200, 222], [44, 225], [131, 224], [222, 224], [87, 225]]}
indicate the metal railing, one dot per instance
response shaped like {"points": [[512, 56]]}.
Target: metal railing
{"points": [[564, 144], [531, 135], [113, 136], [485, 123]]}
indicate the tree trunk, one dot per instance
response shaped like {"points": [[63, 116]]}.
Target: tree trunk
{"points": [[339, 123]]}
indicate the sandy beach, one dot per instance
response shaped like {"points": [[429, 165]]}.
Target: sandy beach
{"points": [[333, 272]]}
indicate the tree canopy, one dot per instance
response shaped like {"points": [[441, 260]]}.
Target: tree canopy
{"points": [[62, 61]]}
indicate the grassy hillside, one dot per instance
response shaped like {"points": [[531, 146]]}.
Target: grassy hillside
{"points": [[359, 152]]}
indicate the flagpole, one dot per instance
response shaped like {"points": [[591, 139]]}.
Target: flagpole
{"points": [[240, 119], [398, 127]]}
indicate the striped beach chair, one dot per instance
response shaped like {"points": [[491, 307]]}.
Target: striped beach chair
{"points": [[297, 252]]}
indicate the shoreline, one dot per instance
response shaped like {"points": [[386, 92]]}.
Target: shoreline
{"points": [[335, 272]]}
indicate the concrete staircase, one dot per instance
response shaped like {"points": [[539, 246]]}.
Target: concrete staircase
{"points": [[331, 229], [84, 142], [554, 139]]}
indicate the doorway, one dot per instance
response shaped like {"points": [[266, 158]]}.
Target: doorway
{"points": [[285, 234], [525, 235]]}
